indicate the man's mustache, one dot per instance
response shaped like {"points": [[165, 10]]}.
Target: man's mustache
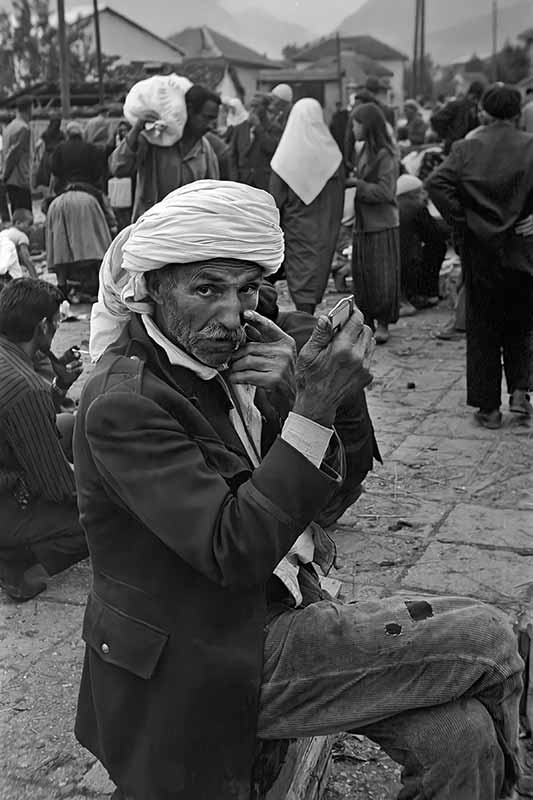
{"points": [[219, 332]]}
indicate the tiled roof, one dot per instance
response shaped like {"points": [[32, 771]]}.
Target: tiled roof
{"points": [[364, 45], [204, 42]]}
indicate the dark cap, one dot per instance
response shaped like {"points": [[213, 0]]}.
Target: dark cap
{"points": [[373, 84], [502, 101], [24, 102]]}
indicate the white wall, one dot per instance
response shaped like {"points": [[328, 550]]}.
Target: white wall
{"points": [[130, 43], [396, 82]]}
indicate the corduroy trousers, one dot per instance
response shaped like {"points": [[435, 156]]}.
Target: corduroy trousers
{"points": [[435, 681]]}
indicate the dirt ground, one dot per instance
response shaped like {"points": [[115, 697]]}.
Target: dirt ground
{"points": [[450, 511]]}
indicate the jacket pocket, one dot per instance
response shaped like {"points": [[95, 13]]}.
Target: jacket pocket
{"points": [[126, 642]]}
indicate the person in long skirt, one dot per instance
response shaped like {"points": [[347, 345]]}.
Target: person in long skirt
{"points": [[376, 245], [308, 183]]}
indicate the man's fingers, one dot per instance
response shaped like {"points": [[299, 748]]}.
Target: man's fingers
{"points": [[269, 330], [322, 333]]}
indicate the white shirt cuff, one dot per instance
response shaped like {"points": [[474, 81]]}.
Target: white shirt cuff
{"points": [[308, 437]]}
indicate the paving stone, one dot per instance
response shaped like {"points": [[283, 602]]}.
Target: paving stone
{"points": [[499, 577], [477, 524], [70, 586], [27, 630], [464, 426], [97, 781], [434, 466]]}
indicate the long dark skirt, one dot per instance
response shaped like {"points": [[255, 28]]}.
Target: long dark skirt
{"points": [[376, 274]]}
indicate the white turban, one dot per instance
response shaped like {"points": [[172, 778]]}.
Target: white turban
{"points": [[199, 222], [283, 92]]}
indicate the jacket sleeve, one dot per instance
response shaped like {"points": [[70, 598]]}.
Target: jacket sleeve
{"points": [[34, 438], [384, 188], [22, 143], [123, 161], [278, 189], [213, 167], [234, 537], [443, 188]]}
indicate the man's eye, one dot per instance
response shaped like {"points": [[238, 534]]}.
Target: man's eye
{"points": [[206, 291], [250, 289]]}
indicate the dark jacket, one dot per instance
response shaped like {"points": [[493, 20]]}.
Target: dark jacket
{"points": [[183, 541], [376, 207], [250, 153], [485, 187]]}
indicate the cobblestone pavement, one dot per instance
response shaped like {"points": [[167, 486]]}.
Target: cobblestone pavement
{"points": [[451, 511]]}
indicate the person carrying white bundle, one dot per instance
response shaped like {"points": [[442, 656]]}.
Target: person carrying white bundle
{"points": [[166, 147]]}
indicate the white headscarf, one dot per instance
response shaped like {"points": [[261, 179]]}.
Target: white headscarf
{"points": [[198, 222], [236, 111], [307, 155]]}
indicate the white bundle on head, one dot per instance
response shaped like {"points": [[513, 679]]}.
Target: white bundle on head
{"points": [[199, 222], [164, 94]]}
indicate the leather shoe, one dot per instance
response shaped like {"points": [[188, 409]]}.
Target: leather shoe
{"points": [[16, 584], [382, 334], [519, 403], [489, 419]]}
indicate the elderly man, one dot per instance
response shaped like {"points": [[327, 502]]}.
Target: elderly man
{"points": [[206, 626], [485, 191]]}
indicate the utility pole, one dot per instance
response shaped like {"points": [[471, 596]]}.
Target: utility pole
{"points": [[416, 42], [64, 66], [339, 67], [494, 40], [98, 47], [419, 47]]}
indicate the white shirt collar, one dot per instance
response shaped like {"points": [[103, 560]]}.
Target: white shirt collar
{"points": [[175, 354]]}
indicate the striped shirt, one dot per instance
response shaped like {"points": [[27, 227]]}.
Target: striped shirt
{"points": [[30, 450]]}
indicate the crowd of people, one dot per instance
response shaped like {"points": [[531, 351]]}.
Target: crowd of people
{"points": [[217, 436]]}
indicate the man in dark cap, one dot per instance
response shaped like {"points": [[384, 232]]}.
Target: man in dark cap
{"points": [[458, 117], [485, 190]]}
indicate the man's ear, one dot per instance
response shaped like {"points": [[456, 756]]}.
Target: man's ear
{"points": [[154, 287]]}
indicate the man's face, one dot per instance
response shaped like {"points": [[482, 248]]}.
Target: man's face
{"points": [[48, 328], [200, 307], [205, 120]]}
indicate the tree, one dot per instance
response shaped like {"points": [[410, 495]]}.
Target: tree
{"points": [[29, 50], [290, 50]]}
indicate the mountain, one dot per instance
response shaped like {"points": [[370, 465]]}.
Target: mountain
{"points": [[459, 42], [393, 22], [253, 27]]}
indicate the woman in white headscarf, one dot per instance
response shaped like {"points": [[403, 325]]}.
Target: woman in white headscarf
{"points": [[308, 185]]}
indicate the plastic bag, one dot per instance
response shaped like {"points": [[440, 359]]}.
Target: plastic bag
{"points": [[164, 94]]}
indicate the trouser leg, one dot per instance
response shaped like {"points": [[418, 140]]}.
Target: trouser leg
{"points": [[484, 339], [518, 313], [331, 668], [434, 253], [44, 532], [449, 751]]}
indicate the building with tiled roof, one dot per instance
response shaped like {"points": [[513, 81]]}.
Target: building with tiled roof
{"points": [[363, 48], [219, 62]]}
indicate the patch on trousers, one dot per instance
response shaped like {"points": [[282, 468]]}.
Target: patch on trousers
{"points": [[393, 629], [418, 609]]}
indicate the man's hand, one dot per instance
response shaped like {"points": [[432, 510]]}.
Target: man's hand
{"points": [[269, 361], [525, 226], [133, 136], [329, 368], [68, 368]]}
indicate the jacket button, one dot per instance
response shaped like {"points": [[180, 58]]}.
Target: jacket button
{"points": [[105, 648]]}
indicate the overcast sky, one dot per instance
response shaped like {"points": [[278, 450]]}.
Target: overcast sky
{"points": [[314, 14]]}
